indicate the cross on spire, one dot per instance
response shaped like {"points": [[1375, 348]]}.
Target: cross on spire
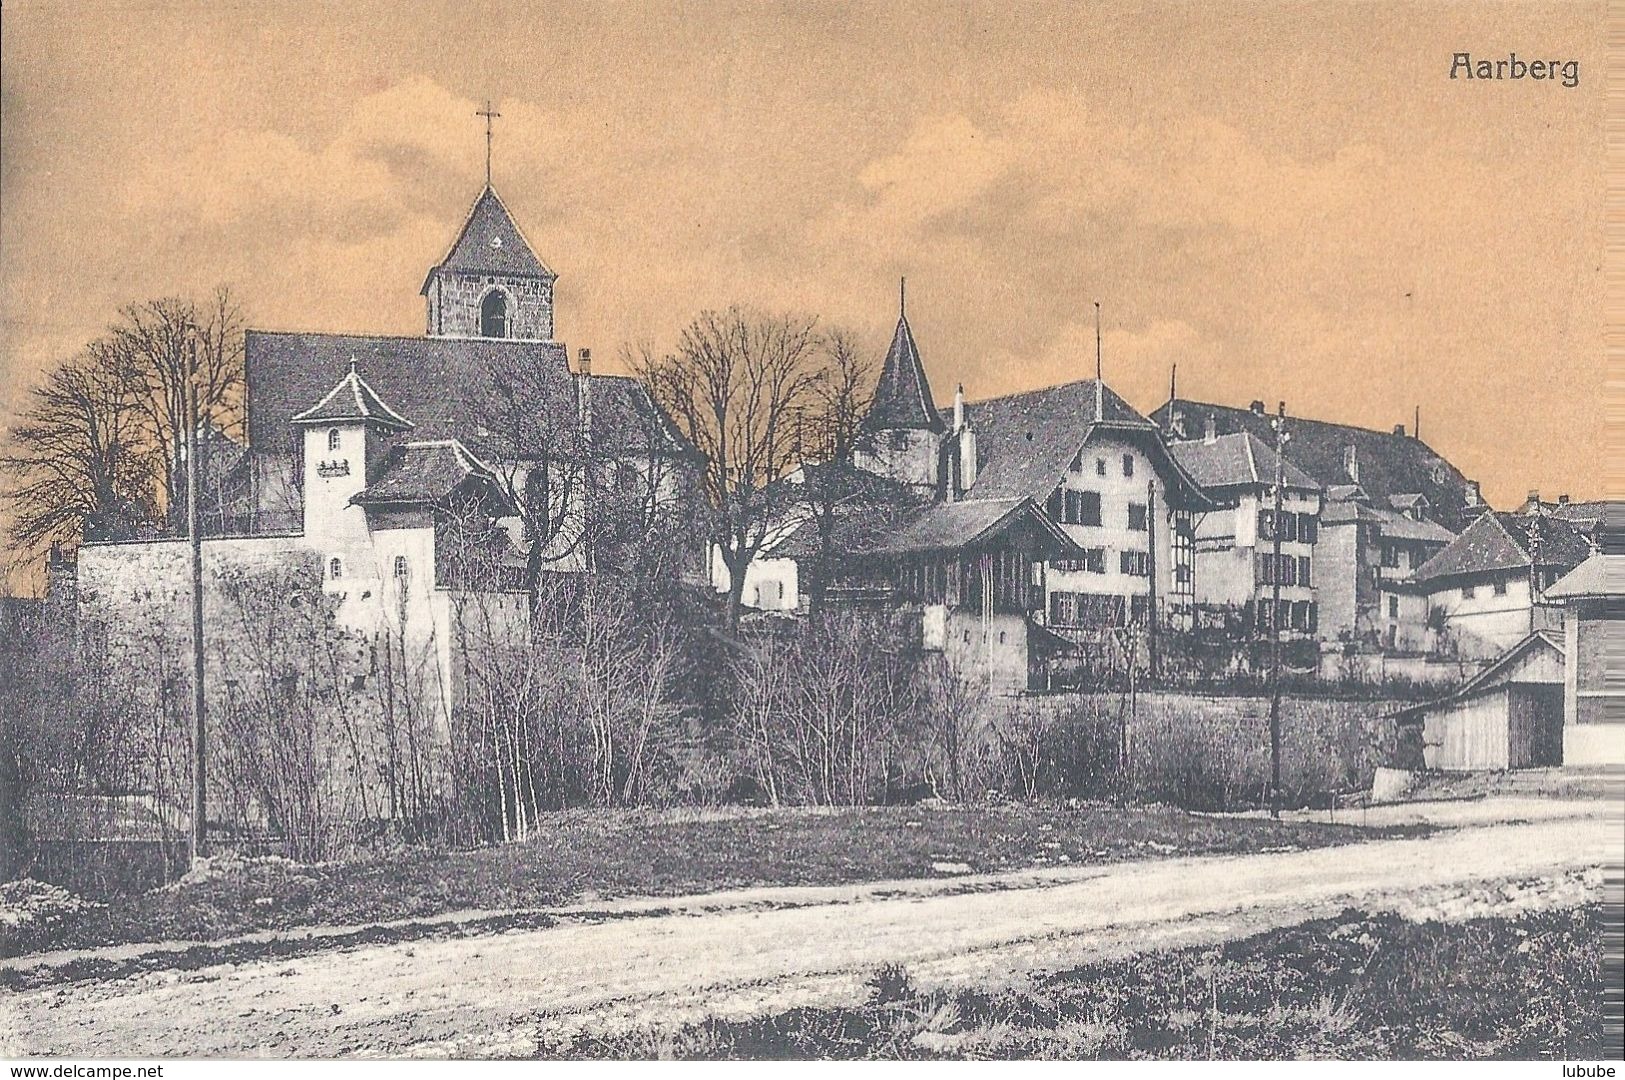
{"points": [[490, 115]]}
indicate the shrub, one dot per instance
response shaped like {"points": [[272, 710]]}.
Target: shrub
{"points": [[890, 982]]}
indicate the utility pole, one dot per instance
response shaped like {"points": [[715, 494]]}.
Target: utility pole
{"points": [[194, 534], [1281, 439]]}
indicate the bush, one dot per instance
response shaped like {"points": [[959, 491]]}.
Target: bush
{"points": [[888, 983]]}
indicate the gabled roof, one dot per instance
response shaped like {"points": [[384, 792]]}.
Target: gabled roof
{"points": [[1500, 542], [1389, 524], [1496, 674], [1239, 459], [351, 399], [438, 383], [903, 394], [956, 525], [1388, 463], [1025, 443], [490, 243], [426, 473], [1598, 577]]}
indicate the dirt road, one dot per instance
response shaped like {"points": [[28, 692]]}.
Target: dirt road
{"points": [[756, 951]]}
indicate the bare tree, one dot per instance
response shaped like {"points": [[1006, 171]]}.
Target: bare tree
{"points": [[78, 462], [735, 386], [155, 341]]}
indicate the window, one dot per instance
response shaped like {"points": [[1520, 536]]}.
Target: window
{"points": [[1289, 527], [1136, 517], [1300, 615], [1093, 562], [1271, 571], [334, 440], [400, 567], [1469, 591], [1500, 588], [1128, 464], [1390, 555], [1134, 563], [494, 315], [1074, 507], [335, 568], [1306, 528], [1303, 571], [1100, 466], [1393, 607]]}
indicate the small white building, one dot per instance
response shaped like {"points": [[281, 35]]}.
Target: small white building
{"points": [[1509, 716], [1483, 592]]}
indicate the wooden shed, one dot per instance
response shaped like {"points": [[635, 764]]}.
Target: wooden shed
{"points": [[1509, 716]]}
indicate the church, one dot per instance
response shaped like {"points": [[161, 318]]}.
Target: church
{"points": [[368, 456]]}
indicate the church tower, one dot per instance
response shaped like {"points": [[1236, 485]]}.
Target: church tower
{"points": [[490, 284], [903, 428]]}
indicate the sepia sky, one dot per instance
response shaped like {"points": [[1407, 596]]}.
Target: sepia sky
{"points": [[1289, 201]]}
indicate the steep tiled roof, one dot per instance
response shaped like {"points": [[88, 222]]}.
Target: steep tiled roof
{"points": [[1599, 576], [424, 473], [1499, 541], [1591, 516], [1026, 442], [951, 526], [436, 382], [490, 243], [903, 394], [1388, 464], [1240, 459], [353, 399], [1389, 524]]}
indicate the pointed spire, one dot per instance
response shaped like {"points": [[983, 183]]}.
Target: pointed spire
{"points": [[352, 399], [903, 394], [490, 243]]}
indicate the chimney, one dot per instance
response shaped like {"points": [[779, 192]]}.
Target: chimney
{"points": [[959, 407], [1257, 407], [1210, 429], [584, 364], [1474, 495], [1351, 463], [1399, 429], [1533, 502], [1562, 500]]}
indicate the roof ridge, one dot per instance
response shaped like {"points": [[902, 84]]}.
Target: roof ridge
{"points": [[1299, 419], [1035, 390]]}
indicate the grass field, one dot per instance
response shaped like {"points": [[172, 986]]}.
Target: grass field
{"points": [[582, 857], [1356, 987]]}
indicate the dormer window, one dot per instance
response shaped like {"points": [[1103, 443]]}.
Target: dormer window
{"points": [[334, 440], [494, 315]]}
